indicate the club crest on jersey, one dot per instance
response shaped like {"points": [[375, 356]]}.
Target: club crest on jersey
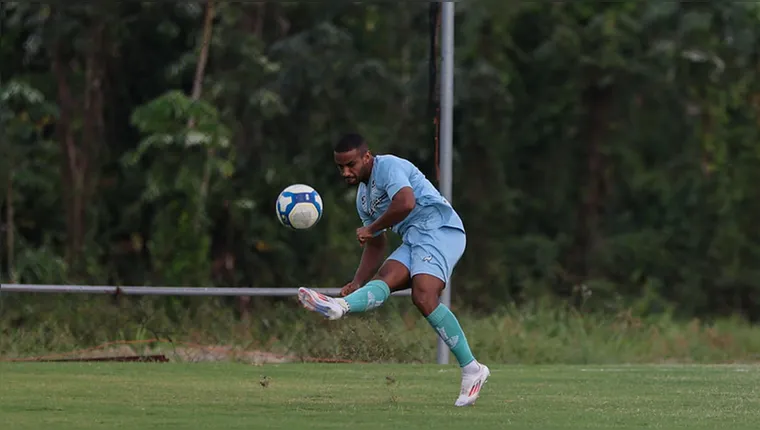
{"points": [[375, 200], [375, 203]]}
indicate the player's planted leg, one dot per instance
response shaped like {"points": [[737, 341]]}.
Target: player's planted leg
{"points": [[426, 290]]}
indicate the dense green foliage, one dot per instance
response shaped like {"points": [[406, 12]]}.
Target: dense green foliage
{"points": [[604, 151], [58, 327]]}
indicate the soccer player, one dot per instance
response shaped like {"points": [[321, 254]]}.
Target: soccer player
{"points": [[394, 194]]}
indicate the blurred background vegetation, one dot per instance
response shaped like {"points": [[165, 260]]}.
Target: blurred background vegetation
{"points": [[605, 158]]}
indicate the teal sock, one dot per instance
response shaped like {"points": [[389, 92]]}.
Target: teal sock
{"points": [[446, 325], [371, 295]]}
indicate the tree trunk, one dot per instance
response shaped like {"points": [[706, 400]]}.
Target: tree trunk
{"points": [[434, 97], [597, 102], [254, 19], [283, 23], [72, 159], [200, 70], [80, 153], [10, 239]]}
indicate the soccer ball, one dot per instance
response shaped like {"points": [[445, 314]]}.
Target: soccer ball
{"points": [[299, 207]]}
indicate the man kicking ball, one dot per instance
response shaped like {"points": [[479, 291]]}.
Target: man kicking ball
{"points": [[394, 194]]}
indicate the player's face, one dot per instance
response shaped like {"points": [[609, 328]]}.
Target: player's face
{"points": [[353, 165]]}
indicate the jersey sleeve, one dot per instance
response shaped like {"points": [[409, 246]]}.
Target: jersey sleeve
{"points": [[394, 176]]}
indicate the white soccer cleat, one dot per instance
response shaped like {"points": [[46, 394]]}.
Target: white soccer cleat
{"points": [[331, 308], [472, 383]]}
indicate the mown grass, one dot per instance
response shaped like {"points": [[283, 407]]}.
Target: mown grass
{"points": [[35, 325], [374, 396]]}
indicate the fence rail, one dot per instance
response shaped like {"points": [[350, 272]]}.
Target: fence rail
{"points": [[165, 291]]}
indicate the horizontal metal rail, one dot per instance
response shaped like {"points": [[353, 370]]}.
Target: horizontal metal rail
{"points": [[166, 291]]}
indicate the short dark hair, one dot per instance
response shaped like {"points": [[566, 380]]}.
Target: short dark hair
{"points": [[349, 142]]}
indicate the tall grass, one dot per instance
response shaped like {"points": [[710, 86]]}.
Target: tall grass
{"points": [[537, 334]]}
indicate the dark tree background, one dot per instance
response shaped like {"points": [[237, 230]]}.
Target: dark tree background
{"points": [[602, 148]]}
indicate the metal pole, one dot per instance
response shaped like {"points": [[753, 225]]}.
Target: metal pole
{"points": [[166, 291], [447, 103]]}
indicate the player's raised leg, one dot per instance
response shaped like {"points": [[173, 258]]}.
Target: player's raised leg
{"points": [[392, 276]]}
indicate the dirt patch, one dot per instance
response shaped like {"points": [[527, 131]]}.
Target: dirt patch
{"points": [[183, 353], [196, 355]]}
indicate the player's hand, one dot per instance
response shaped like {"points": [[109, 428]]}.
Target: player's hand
{"points": [[349, 288], [363, 234]]}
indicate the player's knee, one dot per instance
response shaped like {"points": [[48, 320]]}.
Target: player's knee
{"points": [[394, 274], [425, 300], [426, 294]]}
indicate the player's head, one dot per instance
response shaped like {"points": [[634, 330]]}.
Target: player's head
{"points": [[353, 158]]}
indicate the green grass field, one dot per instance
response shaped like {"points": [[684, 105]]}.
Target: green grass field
{"points": [[374, 396]]}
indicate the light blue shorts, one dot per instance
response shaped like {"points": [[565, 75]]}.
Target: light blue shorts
{"points": [[433, 252]]}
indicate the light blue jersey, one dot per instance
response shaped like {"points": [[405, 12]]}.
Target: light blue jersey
{"points": [[433, 233], [389, 175]]}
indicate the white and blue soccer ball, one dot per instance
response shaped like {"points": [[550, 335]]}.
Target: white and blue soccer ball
{"points": [[299, 207]]}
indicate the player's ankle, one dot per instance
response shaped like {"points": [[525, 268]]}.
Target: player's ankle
{"points": [[343, 304], [471, 367]]}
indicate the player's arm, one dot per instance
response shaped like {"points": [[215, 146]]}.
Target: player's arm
{"points": [[401, 206], [372, 257]]}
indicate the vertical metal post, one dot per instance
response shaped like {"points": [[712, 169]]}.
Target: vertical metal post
{"points": [[446, 133]]}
